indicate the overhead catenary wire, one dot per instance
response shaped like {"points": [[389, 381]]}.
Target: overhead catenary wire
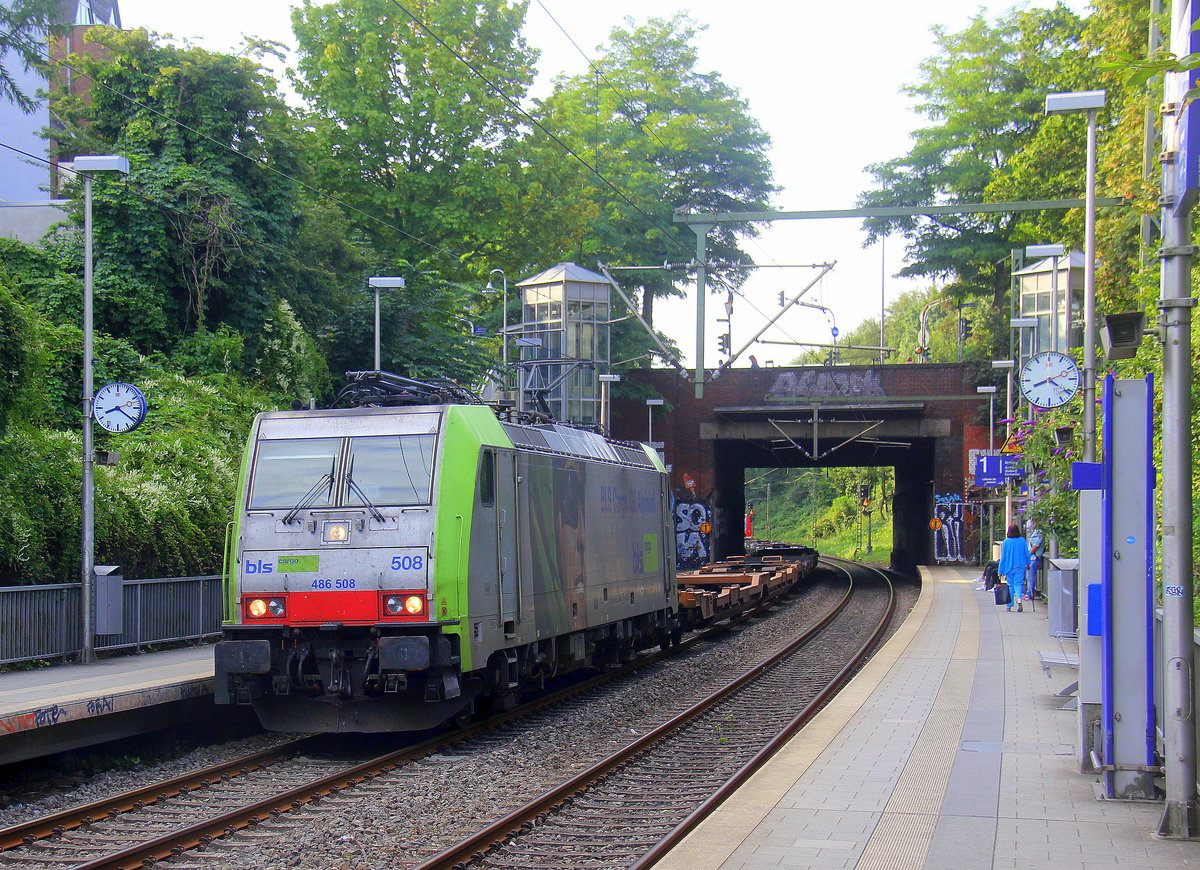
{"points": [[638, 125], [138, 191], [668, 230]]}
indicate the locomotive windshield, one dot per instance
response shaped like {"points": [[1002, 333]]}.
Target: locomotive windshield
{"points": [[298, 473], [286, 471], [391, 469]]}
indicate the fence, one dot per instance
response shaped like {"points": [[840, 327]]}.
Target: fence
{"points": [[44, 622]]}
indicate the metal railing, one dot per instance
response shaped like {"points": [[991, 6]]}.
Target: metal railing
{"points": [[43, 622]]}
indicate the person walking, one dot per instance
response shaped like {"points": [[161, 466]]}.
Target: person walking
{"points": [[1036, 549], [1014, 561]]}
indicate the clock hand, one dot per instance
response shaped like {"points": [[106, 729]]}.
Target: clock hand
{"points": [[120, 408]]}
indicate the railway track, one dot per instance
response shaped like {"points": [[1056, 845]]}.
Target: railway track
{"points": [[630, 808], [169, 818]]}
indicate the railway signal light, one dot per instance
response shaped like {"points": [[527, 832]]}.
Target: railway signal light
{"points": [[781, 302], [723, 343]]}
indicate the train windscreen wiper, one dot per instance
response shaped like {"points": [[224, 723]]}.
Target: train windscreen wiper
{"points": [[357, 490], [325, 480]]}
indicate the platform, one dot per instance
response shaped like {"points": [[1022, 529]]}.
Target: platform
{"points": [[949, 751], [67, 706]]}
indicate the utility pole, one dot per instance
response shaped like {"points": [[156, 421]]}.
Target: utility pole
{"points": [[1180, 817]]}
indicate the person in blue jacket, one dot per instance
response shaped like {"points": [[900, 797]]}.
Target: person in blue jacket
{"points": [[1014, 561]]}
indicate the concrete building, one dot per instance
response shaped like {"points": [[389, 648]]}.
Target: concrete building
{"points": [[28, 183]]}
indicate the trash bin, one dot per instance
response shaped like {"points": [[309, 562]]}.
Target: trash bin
{"points": [[1061, 595], [109, 599]]}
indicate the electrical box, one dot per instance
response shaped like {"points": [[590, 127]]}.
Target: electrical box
{"points": [[109, 599], [1061, 593]]}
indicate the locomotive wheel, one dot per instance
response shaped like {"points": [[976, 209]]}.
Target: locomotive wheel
{"points": [[462, 718]]}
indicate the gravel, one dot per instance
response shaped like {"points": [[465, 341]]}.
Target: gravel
{"points": [[402, 818], [408, 816]]}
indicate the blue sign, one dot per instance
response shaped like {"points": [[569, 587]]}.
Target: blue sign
{"points": [[1184, 138], [480, 330], [995, 469], [1086, 475]]}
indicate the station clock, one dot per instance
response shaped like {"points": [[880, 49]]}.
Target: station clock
{"points": [[1049, 379]]}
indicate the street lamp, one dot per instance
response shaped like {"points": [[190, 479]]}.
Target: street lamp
{"points": [[605, 408], [503, 321], [87, 166], [1054, 251], [379, 282], [991, 394], [1031, 323], [1090, 102], [650, 406], [1007, 365]]}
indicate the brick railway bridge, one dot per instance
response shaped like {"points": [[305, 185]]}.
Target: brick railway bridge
{"points": [[923, 420]]}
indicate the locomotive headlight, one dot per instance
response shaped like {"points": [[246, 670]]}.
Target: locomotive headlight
{"points": [[337, 532], [404, 604], [264, 607]]}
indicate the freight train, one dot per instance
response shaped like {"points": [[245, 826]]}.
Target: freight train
{"points": [[395, 563]]}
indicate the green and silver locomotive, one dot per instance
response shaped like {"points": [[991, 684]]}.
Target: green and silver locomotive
{"points": [[392, 566]]}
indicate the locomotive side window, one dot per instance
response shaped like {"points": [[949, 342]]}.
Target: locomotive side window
{"points": [[391, 469], [286, 470], [487, 478]]}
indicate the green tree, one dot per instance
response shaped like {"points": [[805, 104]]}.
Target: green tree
{"points": [[191, 239], [983, 92], [25, 27], [415, 139], [662, 135]]}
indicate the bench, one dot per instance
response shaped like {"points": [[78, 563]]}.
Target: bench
{"points": [[1062, 658]]}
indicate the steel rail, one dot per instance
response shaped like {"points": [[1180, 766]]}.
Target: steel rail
{"points": [[28, 832], [188, 837], [495, 834], [779, 741]]}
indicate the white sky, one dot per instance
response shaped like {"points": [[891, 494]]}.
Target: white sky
{"points": [[822, 79]]}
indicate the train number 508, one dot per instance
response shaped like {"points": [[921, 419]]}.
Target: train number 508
{"points": [[408, 563]]}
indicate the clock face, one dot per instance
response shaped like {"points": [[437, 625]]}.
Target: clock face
{"points": [[119, 407], [1049, 379]]}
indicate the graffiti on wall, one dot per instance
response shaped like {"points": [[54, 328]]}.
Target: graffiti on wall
{"points": [[826, 383], [948, 536], [693, 527]]}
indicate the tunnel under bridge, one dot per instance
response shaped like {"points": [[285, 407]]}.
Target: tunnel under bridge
{"points": [[923, 420]]}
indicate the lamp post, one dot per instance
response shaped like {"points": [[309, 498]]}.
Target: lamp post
{"points": [[1007, 365], [605, 408], [1181, 813], [991, 394], [1090, 102], [651, 404], [378, 283], [87, 166], [503, 321], [1019, 323]]}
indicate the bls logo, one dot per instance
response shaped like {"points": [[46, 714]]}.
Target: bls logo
{"points": [[259, 567]]}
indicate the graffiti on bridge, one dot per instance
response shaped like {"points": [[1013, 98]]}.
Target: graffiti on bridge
{"points": [[693, 526], [948, 536]]}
